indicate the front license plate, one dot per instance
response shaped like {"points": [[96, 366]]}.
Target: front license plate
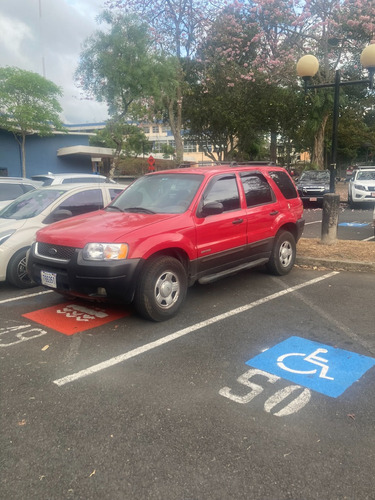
{"points": [[48, 279], [313, 199]]}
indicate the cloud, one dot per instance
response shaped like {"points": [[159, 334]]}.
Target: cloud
{"points": [[46, 36]]}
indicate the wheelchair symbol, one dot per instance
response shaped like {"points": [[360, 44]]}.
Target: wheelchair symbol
{"points": [[311, 358]]}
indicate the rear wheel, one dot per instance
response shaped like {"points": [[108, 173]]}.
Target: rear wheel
{"points": [[162, 288], [283, 254], [16, 272]]}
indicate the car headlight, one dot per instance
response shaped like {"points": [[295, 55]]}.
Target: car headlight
{"points": [[105, 251], [5, 235], [360, 187]]}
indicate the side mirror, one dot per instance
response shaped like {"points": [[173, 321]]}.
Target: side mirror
{"points": [[58, 215], [212, 208]]}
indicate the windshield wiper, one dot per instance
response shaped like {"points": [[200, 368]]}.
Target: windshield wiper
{"points": [[139, 209], [114, 206]]}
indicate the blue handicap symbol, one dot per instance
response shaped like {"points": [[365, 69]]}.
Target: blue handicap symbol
{"points": [[320, 367], [353, 224]]}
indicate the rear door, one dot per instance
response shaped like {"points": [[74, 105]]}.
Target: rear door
{"points": [[262, 212]]}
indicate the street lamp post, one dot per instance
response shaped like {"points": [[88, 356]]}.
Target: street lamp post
{"points": [[308, 66]]}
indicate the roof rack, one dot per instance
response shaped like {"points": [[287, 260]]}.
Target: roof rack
{"points": [[246, 163]]}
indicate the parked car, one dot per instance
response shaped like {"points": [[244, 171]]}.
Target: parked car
{"points": [[20, 220], [12, 187], [361, 187], [169, 229], [51, 179], [312, 185]]}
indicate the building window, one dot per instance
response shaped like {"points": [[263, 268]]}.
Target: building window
{"points": [[155, 129], [190, 147]]}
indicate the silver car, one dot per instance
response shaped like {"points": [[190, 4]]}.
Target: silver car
{"points": [[21, 219]]}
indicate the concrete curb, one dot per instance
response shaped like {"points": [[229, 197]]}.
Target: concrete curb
{"points": [[336, 265]]}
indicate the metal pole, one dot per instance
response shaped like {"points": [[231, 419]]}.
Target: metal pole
{"points": [[335, 121]]}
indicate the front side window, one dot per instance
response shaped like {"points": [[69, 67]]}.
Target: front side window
{"points": [[223, 190], [81, 203], [257, 190]]}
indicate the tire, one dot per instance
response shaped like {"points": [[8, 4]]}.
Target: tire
{"points": [[350, 200], [283, 254], [162, 288], [16, 272]]}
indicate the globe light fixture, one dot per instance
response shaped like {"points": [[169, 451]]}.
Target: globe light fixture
{"points": [[308, 66]]}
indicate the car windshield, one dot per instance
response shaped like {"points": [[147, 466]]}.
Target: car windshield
{"points": [[30, 204], [315, 175], [364, 175], [159, 193]]}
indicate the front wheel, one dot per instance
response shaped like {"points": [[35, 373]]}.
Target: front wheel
{"points": [[16, 272], [283, 254], [161, 289]]}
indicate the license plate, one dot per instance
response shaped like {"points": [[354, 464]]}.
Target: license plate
{"points": [[48, 279], [313, 199], [373, 194]]}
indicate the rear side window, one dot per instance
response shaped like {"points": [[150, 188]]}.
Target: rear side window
{"points": [[257, 190], [284, 183], [86, 201], [10, 191], [223, 190]]}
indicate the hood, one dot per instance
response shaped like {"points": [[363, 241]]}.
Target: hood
{"points": [[312, 182], [7, 224], [101, 227]]}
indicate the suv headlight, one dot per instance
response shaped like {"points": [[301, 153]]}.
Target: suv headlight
{"points": [[105, 251], [360, 187], [5, 235]]}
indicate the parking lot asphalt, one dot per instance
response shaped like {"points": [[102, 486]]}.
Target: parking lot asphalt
{"points": [[262, 388]]}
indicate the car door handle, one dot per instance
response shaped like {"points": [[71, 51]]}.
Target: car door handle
{"points": [[275, 212], [237, 221]]}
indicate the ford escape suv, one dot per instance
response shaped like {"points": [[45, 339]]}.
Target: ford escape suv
{"points": [[169, 229]]}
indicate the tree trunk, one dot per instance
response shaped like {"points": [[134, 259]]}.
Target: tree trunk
{"points": [[318, 151], [273, 147]]}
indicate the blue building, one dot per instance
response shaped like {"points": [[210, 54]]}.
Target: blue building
{"points": [[58, 153]]}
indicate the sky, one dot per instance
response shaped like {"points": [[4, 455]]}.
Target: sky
{"points": [[46, 36]]}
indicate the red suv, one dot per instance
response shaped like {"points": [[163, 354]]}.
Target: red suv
{"points": [[170, 229]]}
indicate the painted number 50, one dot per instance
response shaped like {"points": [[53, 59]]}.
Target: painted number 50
{"points": [[276, 399]]}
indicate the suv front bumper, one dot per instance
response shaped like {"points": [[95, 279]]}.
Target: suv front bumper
{"points": [[90, 279]]}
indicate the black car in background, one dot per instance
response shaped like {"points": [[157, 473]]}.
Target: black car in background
{"points": [[312, 185]]}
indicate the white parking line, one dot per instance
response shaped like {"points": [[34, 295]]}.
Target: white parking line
{"points": [[24, 296], [185, 331]]}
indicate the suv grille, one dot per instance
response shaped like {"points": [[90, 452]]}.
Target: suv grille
{"points": [[55, 251]]}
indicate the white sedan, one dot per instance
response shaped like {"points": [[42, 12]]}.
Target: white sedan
{"points": [[21, 219]]}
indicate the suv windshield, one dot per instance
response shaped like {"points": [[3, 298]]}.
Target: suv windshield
{"points": [[159, 193], [315, 175], [30, 204]]}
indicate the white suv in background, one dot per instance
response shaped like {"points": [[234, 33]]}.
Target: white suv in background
{"points": [[361, 187], [51, 179]]}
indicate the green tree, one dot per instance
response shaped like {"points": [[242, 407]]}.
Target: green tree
{"points": [[125, 140], [28, 105], [119, 66]]}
